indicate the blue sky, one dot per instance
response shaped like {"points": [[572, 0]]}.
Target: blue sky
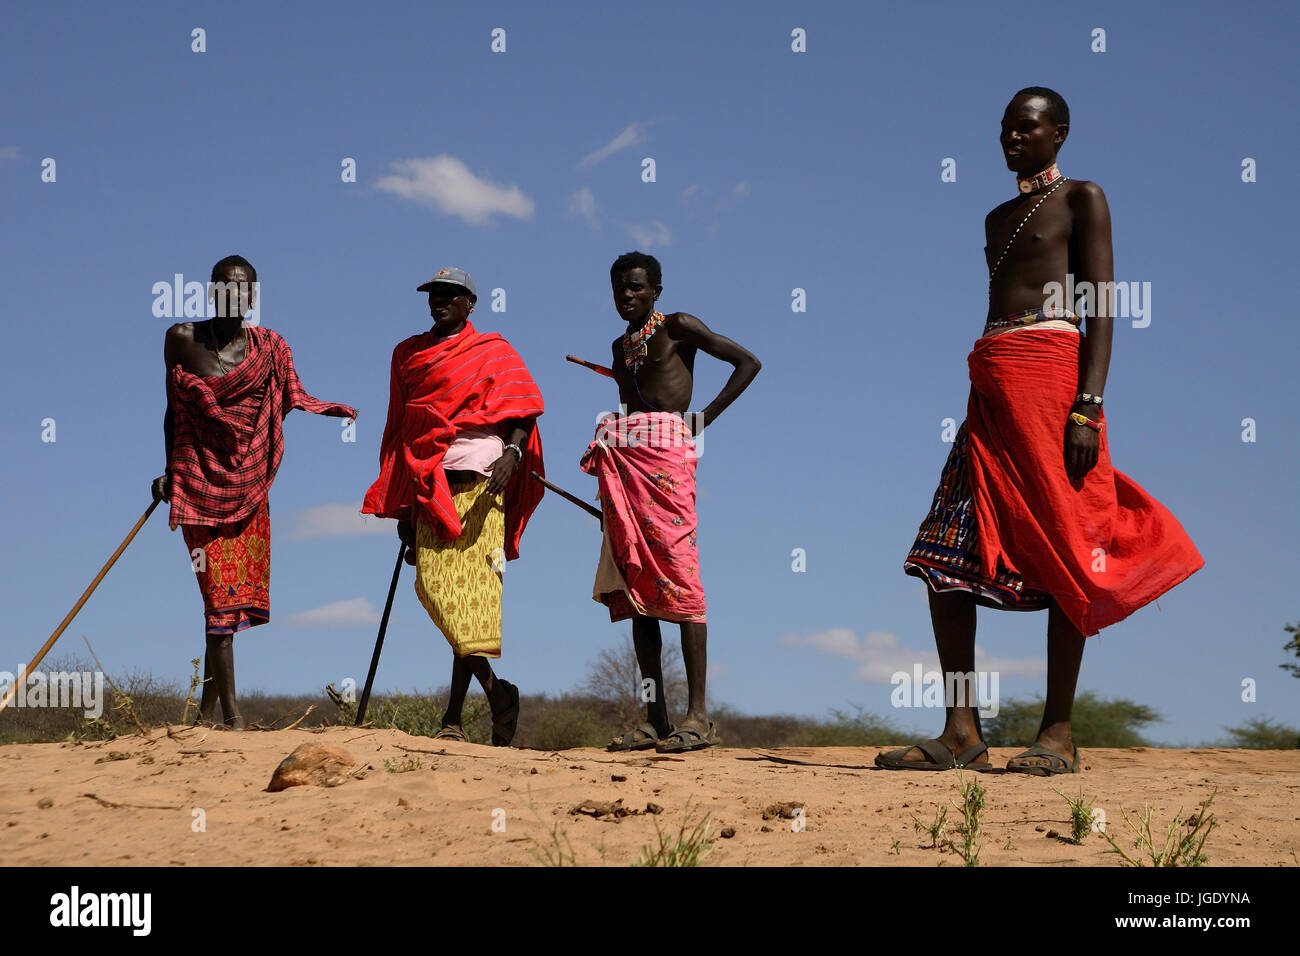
{"points": [[774, 170]]}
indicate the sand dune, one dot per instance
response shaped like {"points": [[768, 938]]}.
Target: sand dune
{"points": [[134, 801]]}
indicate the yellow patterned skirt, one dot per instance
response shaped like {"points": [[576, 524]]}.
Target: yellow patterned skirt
{"points": [[459, 581]]}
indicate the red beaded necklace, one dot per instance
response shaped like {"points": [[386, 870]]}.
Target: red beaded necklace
{"points": [[635, 349], [1037, 181]]}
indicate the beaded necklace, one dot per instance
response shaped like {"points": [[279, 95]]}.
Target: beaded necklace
{"points": [[635, 347], [1048, 176]]}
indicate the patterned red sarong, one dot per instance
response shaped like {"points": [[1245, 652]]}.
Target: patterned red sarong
{"points": [[645, 465], [227, 431], [1101, 547], [233, 570], [436, 390]]}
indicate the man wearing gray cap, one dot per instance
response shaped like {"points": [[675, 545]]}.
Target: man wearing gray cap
{"points": [[459, 443]]}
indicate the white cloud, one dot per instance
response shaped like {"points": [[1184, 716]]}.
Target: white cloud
{"points": [[690, 191], [880, 655], [632, 136], [583, 203], [8, 152], [738, 192], [339, 519], [354, 613], [446, 184], [656, 233]]}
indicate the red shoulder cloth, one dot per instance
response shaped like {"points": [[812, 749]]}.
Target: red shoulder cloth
{"points": [[227, 437], [439, 388]]}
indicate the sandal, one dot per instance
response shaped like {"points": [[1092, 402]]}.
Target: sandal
{"points": [[638, 738], [451, 732], [941, 758], [683, 739], [1055, 762]]}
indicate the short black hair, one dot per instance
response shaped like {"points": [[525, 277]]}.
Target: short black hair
{"points": [[637, 260], [219, 269], [1059, 111]]}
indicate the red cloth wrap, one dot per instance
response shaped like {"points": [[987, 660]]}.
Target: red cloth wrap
{"points": [[1032, 518], [227, 431], [437, 389]]}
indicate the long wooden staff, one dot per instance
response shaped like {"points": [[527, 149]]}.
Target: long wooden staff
{"points": [[9, 695], [602, 370], [591, 510], [379, 641]]}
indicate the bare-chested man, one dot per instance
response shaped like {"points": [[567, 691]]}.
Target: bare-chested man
{"points": [[1029, 513], [645, 461], [229, 387]]}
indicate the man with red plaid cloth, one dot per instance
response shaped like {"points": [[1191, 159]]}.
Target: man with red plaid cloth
{"points": [[229, 387]]}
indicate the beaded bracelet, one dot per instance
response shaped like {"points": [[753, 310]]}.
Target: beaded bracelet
{"points": [[1084, 420]]}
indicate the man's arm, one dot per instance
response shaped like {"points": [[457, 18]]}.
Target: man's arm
{"points": [[687, 328], [988, 238], [172, 344], [518, 430], [1097, 266]]}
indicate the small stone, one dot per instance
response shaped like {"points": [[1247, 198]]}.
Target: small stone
{"points": [[401, 802], [1039, 829], [727, 833], [45, 803], [534, 770], [764, 829], [617, 778], [1052, 834], [653, 808]]}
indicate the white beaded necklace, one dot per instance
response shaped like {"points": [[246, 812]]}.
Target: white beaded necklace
{"points": [[1007, 247]]}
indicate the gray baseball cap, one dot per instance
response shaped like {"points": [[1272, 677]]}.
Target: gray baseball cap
{"points": [[452, 276]]}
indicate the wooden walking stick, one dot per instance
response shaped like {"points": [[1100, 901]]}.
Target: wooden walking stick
{"points": [[590, 509], [379, 642], [600, 369], [9, 695]]}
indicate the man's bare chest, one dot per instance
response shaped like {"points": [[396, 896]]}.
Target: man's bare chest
{"points": [[202, 360]]}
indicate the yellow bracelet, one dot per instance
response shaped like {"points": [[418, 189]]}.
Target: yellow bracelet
{"points": [[1084, 420]]}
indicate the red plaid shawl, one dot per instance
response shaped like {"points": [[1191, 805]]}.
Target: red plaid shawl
{"points": [[436, 390], [227, 438]]}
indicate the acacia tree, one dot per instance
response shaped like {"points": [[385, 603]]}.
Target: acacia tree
{"points": [[1293, 646]]}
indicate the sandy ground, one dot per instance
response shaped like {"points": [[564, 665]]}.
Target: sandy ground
{"points": [[200, 798]]}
